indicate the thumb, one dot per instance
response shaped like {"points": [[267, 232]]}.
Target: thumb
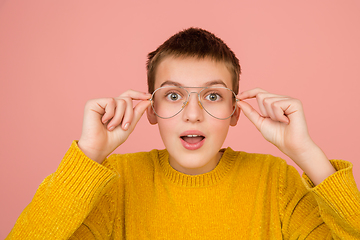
{"points": [[251, 114]]}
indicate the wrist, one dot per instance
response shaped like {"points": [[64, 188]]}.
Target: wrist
{"points": [[314, 163], [91, 153]]}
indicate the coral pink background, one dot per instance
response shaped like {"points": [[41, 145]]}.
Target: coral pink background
{"points": [[55, 55]]}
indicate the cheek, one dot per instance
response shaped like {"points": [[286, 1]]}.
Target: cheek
{"points": [[166, 128], [220, 128]]}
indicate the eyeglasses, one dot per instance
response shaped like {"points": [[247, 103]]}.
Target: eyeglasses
{"points": [[218, 102]]}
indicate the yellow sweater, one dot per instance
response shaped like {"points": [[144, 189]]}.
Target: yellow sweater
{"points": [[140, 196]]}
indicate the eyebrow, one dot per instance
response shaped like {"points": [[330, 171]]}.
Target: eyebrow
{"points": [[207, 84]]}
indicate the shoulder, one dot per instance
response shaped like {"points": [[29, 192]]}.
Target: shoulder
{"points": [[258, 164], [133, 161], [257, 160]]}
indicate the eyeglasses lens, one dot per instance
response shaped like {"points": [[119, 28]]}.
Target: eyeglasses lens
{"points": [[217, 101]]}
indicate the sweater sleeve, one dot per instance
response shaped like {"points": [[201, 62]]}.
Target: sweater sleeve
{"points": [[338, 199], [65, 199], [330, 210]]}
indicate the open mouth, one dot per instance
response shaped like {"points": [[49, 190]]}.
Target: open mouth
{"points": [[192, 139]]}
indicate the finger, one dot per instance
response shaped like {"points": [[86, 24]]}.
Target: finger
{"points": [[275, 108], [279, 108], [108, 107], [269, 111], [292, 109], [260, 96], [260, 101], [118, 115], [251, 114], [138, 112], [136, 95], [257, 93], [128, 114], [252, 93]]}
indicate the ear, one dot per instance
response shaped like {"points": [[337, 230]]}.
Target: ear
{"points": [[151, 115], [235, 117]]}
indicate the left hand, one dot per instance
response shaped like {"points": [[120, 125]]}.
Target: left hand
{"points": [[282, 121]]}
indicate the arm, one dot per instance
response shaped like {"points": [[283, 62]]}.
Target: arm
{"points": [[282, 122], [329, 210], [67, 201], [64, 199]]}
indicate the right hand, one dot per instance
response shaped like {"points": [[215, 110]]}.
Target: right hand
{"points": [[108, 122]]}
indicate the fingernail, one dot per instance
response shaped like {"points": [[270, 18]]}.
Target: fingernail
{"points": [[111, 128], [126, 126]]}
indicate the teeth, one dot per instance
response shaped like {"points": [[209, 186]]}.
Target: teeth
{"points": [[193, 136]]}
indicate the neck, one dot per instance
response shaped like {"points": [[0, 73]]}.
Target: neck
{"points": [[208, 165]]}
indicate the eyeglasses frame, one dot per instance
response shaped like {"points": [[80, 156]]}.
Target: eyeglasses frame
{"points": [[187, 100]]}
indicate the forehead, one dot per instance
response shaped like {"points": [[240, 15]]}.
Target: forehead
{"points": [[192, 72]]}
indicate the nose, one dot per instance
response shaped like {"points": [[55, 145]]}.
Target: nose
{"points": [[193, 111]]}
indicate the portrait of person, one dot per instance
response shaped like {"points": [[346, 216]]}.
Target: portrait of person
{"points": [[179, 120]]}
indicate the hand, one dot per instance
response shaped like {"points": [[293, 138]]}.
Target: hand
{"points": [[108, 122], [282, 121]]}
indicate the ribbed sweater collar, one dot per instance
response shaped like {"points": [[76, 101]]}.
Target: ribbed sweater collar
{"points": [[210, 178]]}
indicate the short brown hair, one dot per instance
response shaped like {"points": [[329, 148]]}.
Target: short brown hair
{"points": [[198, 43]]}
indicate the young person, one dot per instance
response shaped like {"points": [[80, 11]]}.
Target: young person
{"points": [[193, 189]]}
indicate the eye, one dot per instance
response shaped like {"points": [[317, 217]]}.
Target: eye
{"points": [[173, 96], [213, 97]]}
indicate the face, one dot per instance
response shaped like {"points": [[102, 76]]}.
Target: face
{"points": [[200, 153]]}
